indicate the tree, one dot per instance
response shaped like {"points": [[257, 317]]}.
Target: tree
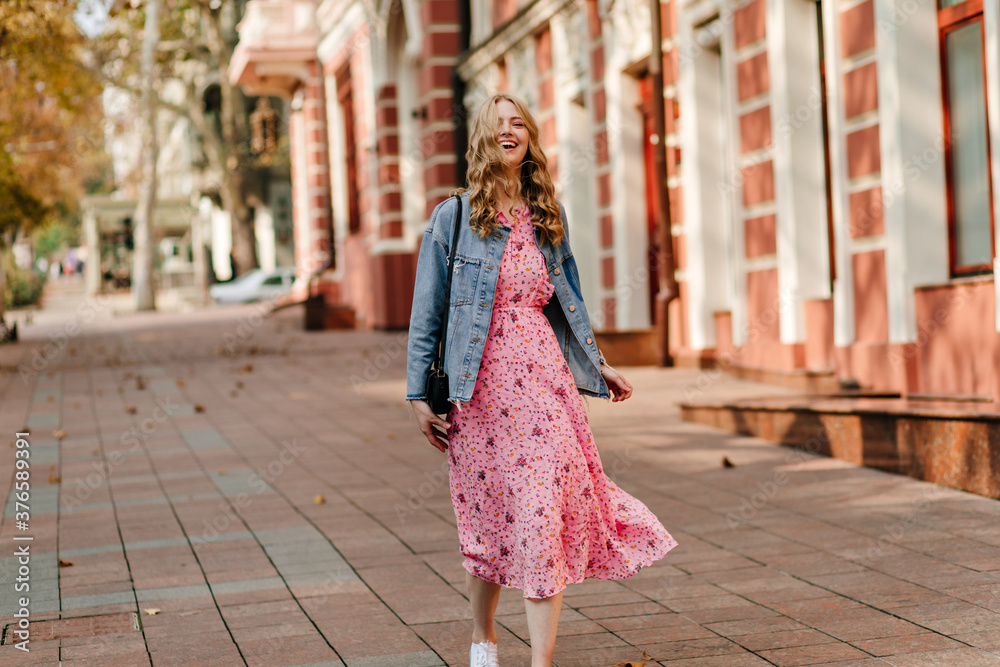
{"points": [[49, 113], [196, 45], [142, 258], [49, 116]]}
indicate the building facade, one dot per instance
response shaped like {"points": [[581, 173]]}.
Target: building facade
{"points": [[829, 166]]}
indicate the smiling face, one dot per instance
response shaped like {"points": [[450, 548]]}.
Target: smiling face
{"points": [[512, 135]]}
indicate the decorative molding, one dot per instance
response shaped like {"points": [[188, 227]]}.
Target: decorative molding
{"points": [[524, 23]]}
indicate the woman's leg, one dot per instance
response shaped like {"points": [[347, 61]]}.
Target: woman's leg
{"points": [[543, 621], [484, 597]]}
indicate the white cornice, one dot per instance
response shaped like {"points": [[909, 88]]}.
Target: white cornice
{"points": [[523, 24], [347, 24]]}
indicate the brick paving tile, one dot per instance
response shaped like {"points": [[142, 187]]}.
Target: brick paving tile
{"points": [[375, 571], [590, 658], [907, 644], [743, 612], [692, 648], [863, 625], [812, 654], [754, 626], [134, 659], [786, 639], [986, 640], [965, 657], [618, 610], [728, 660], [12, 657], [661, 620], [86, 651], [867, 662], [671, 633], [276, 651]]}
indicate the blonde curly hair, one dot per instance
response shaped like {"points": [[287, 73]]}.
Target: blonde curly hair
{"points": [[487, 174]]}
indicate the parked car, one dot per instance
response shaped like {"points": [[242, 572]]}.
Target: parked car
{"points": [[254, 285]]}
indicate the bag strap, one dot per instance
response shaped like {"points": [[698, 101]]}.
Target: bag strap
{"points": [[439, 362]]}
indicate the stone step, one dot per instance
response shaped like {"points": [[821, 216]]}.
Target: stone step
{"points": [[955, 443]]}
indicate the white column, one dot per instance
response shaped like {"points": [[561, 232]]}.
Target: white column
{"points": [[628, 199], [991, 27], [574, 135], [911, 131], [799, 170], [263, 229], [843, 284], [732, 198], [704, 179], [92, 237]]}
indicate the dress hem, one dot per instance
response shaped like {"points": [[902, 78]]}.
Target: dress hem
{"points": [[494, 576]]}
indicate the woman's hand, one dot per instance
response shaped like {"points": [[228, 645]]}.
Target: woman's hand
{"points": [[617, 384], [427, 421]]}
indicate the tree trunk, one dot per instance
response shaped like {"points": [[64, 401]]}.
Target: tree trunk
{"points": [[244, 239], [3, 287], [143, 289], [234, 131]]}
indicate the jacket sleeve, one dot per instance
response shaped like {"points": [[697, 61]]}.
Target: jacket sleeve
{"points": [[428, 299]]}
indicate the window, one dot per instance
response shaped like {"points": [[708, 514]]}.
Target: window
{"points": [[967, 158], [345, 97]]}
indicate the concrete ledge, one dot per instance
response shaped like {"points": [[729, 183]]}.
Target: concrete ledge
{"points": [[952, 443]]}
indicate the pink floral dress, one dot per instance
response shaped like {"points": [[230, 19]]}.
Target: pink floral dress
{"points": [[534, 508]]}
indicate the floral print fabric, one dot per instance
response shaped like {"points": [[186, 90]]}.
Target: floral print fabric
{"points": [[534, 508]]}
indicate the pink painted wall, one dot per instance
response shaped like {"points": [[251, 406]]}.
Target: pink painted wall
{"points": [[957, 346]]}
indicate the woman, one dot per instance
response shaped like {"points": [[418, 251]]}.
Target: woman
{"points": [[534, 508]]}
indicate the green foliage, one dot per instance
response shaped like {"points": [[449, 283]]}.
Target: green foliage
{"points": [[51, 237], [50, 121], [24, 287]]}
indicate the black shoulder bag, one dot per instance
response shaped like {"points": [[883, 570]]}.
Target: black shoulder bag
{"points": [[437, 380]]}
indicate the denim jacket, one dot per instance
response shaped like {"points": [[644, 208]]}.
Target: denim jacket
{"points": [[477, 265]]}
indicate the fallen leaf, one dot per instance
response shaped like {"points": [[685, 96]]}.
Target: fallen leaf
{"points": [[140, 383], [318, 499], [76, 406], [366, 437], [239, 384], [65, 563], [54, 479], [726, 463], [189, 613], [52, 399], [94, 452], [247, 369], [391, 436], [629, 663], [59, 434], [52, 466], [233, 393], [198, 407], [222, 471], [131, 409], [100, 392], [152, 612], [181, 382]]}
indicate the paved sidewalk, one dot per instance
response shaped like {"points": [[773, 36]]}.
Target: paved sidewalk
{"points": [[265, 490]]}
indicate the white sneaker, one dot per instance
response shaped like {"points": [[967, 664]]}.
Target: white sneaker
{"points": [[483, 654]]}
